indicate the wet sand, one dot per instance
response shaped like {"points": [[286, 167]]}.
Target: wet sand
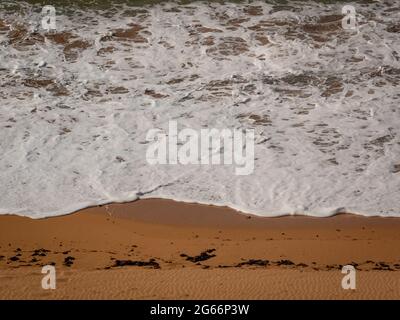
{"points": [[161, 249]]}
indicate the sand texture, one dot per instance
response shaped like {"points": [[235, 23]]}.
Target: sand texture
{"points": [[161, 249]]}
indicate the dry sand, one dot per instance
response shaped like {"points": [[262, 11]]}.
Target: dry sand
{"points": [[161, 249]]}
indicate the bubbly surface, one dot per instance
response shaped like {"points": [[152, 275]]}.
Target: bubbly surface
{"points": [[76, 105]]}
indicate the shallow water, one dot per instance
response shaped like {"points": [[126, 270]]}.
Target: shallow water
{"points": [[76, 105]]}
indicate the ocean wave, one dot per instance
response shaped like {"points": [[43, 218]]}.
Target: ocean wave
{"points": [[77, 103]]}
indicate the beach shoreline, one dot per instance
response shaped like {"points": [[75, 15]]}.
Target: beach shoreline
{"points": [[162, 249]]}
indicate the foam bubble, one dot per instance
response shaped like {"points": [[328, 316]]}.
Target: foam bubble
{"points": [[77, 104]]}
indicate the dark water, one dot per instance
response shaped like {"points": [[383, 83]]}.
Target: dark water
{"points": [[99, 4], [69, 7]]}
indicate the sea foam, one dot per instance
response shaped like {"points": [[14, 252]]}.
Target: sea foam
{"points": [[77, 103]]}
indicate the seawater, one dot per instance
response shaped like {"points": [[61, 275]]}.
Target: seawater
{"points": [[76, 104]]}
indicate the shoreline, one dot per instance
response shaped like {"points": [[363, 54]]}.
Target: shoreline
{"points": [[177, 204], [274, 114], [185, 246]]}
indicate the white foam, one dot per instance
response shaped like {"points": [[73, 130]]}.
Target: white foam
{"points": [[322, 150]]}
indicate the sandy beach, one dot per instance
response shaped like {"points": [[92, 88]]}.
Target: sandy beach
{"points": [[161, 249]]}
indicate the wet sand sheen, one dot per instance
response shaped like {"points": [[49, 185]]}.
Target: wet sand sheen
{"points": [[159, 248]]}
